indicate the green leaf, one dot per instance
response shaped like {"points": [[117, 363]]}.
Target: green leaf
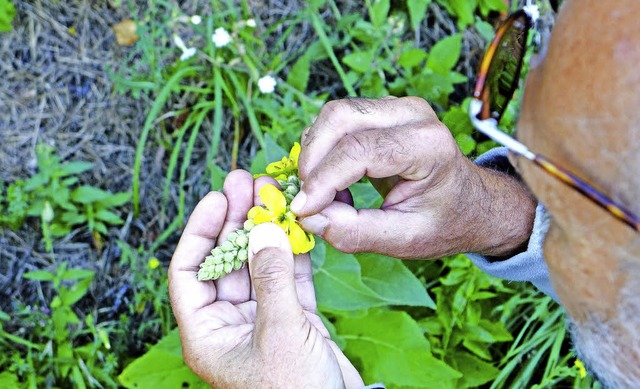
{"points": [[88, 194], [271, 152], [379, 12], [389, 277], [116, 200], [39, 275], [108, 217], [9, 380], [7, 13], [339, 285], [392, 349], [417, 11], [464, 10], [444, 55], [475, 372], [298, 76], [466, 143], [75, 292], [485, 30], [77, 274], [360, 61], [75, 167], [412, 57], [487, 332], [365, 195], [161, 367]]}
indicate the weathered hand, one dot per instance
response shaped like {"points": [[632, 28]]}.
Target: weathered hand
{"points": [[256, 327], [437, 202]]}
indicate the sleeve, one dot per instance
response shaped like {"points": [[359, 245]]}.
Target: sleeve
{"points": [[528, 265]]}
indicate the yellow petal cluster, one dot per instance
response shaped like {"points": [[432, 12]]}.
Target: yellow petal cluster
{"points": [[275, 210], [281, 170]]}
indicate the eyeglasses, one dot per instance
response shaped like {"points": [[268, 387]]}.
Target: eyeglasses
{"points": [[498, 79]]}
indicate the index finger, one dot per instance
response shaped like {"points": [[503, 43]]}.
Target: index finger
{"points": [[187, 294], [339, 118]]}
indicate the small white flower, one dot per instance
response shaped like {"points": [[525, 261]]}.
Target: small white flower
{"points": [[187, 52], [196, 19], [221, 37], [267, 84], [251, 23], [532, 10]]}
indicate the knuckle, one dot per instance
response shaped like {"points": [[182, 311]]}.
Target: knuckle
{"points": [[354, 146], [269, 267]]}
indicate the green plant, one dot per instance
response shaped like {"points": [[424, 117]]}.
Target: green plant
{"points": [[7, 13], [61, 349], [53, 195]]}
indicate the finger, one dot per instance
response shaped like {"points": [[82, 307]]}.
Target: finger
{"points": [[410, 152], [199, 237], [272, 272], [238, 189], [341, 117], [352, 378], [385, 231]]}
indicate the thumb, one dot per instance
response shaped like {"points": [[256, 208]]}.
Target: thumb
{"points": [[272, 274]]}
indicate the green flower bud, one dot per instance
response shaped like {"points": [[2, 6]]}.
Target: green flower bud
{"points": [[237, 265], [227, 246], [243, 255], [242, 241], [248, 225], [232, 236], [229, 256]]}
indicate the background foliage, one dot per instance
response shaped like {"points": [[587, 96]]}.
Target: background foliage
{"points": [[453, 326]]}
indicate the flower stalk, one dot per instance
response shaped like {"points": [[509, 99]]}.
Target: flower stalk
{"points": [[232, 254]]}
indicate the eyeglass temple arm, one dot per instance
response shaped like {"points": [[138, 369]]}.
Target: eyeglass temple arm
{"points": [[490, 129]]}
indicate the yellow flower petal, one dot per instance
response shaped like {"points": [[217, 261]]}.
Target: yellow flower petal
{"points": [[294, 154], [273, 199], [260, 215], [301, 241]]}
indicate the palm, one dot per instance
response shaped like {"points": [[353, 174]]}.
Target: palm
{"points": [[230, 337]]}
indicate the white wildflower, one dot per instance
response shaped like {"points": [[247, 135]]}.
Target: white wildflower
{"points": [[195, 19], [251, 23], [221, 37], [187, 52], [532, 10], [267, 84]]}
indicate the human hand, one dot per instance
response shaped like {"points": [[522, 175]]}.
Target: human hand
{"points": [[436, 203], [256, 327]]}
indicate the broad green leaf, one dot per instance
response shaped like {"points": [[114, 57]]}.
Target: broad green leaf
{"points": [[444, 55], [39, 275], [412, 57], [298, 76], [389, 277], [365, 195], [217, 176], [485, 30], [378, 12], [466, 143], [88, 194], [487, 332], [339, 285], [464, 10], [417, 11], [75, 167], [161, 367], [360, 61], [9, 380], [342, 284], [392, 349], [475, 372]]}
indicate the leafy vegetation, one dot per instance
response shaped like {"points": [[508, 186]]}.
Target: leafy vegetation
{"points": [[454, 326]]}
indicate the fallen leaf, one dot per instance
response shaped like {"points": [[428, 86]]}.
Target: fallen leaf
{"points": [[125, 32]]}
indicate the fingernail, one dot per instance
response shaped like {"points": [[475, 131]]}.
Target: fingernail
{"points": [[298, 202], [315, 224], [266, 235]]}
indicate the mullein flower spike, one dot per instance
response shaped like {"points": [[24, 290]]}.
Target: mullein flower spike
{"points": [[232, 254]]}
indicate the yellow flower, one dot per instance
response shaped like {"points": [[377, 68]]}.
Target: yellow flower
{"points": [[281, 170], [153, 263], [580, 366], [275, 210]]}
